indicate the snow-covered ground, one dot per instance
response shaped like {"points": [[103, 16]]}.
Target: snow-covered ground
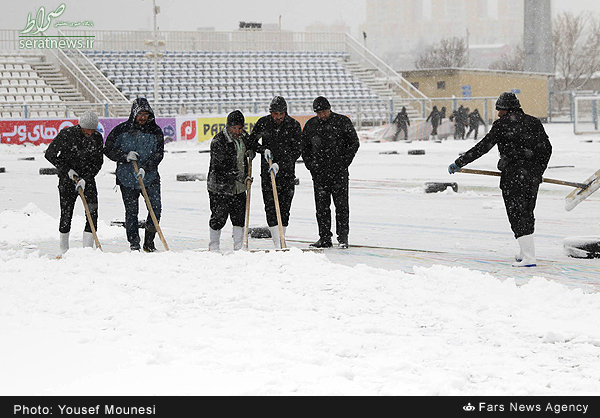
{"points": [[429, 305]]}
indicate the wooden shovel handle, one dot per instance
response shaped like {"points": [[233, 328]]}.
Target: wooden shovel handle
{"points": [[149, 206], [545, 180], [88, 214]]}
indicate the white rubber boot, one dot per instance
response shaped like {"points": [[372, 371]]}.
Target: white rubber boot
{"points": [[88, 240], [64, 242], [527, 252], [238, 238], [215, 240], [275, 236]]}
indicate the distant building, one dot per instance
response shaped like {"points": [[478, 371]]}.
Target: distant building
{"points": [[465, 84], [398, 27]]}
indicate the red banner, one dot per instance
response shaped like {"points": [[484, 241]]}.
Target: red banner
{"points": [[38, 131]]}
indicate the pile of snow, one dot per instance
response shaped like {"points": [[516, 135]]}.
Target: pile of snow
{"points": [[198, 323], [31, 225]]}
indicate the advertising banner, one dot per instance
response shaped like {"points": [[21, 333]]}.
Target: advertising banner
{"points": [[32, 131], [204, 128]]}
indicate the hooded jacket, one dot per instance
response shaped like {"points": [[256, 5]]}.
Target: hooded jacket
{"points": [[72, 150], [147, 140], [522, 143]]}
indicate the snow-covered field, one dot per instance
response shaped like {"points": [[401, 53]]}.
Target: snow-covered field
{"points": [[440, 314]]}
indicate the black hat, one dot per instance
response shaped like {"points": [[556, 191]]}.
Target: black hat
{"points": [[236, 118], [278, 104], [507, 101], [321, 103]]}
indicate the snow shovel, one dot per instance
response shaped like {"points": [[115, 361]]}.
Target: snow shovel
{"points": [[149, 206], [248, 188], [88, 214], [580, 194], [276, 199], [582, 190]]}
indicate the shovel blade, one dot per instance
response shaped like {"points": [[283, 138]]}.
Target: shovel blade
{"points": [[580, 194]]}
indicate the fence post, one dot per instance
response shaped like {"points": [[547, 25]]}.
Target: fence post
{"points": [[105, 110], [486, 114]]}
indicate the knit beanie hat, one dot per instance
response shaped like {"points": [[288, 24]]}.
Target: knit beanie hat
{"points": [[321, 103], [278, 104], [236, 118], [89, 120]]}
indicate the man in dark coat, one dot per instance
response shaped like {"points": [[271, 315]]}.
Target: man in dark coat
{"points": [[138, 139], [459, 117], [435, 118], [402, 123], [329, 144], [228, 180], [281, 142], [475, 120], [76, 152], [524, 150]]}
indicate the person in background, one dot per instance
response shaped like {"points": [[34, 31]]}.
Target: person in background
{"points": [[475, 120], [281, 141], [227, 181], [141, 140], [329, 144], [435, 118], [76, 152], [402, 123], [524, 150]]}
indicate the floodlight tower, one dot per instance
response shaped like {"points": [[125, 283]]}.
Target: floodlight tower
{"points": [[538, 36], [155, 56]]}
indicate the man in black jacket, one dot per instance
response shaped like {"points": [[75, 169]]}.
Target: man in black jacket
{"points": [[402, 123], [329, 144], [138, 139], [475, 120], [524, 150], [281, 142], [76, 152], [227, 181], [435, 117]]}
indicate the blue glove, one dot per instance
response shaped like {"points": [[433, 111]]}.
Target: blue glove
{"points": [[453, 168], [141, 173]]}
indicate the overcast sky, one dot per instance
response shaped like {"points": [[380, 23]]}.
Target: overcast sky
{"points": [[221, 14]]}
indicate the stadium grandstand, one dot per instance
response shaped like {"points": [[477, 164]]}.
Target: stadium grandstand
{"points": [[201, 73]]}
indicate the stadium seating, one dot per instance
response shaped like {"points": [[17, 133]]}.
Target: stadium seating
{"points": [[198, 77]]}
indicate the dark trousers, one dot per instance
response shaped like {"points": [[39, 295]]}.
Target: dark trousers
{"points": [[400, 128], [325, 188], [223, 206], [473, 129], [285, 194], [459, 131], [68, 195], [519, 191], [131, 199]]}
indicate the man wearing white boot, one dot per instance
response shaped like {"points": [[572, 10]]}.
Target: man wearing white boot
{"points": [[524, 150], [76, 152], [227, 181], [280, 138]]}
